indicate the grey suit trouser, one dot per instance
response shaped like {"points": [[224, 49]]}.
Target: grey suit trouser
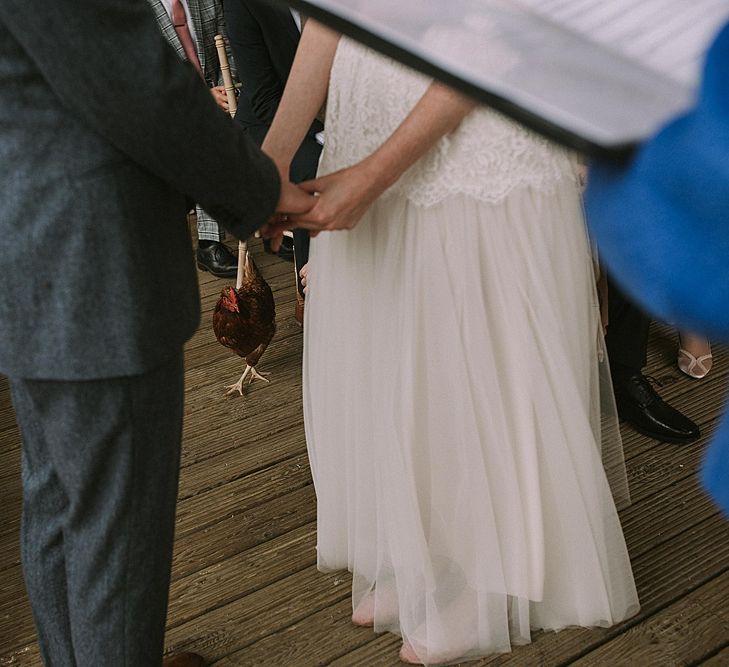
{"points": [[100, 466]]}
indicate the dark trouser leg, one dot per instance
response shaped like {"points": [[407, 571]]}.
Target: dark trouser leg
{"points": [[637, 401], [627, 334], [303, 168], [42, 548], [301, 254], [101, 463]]}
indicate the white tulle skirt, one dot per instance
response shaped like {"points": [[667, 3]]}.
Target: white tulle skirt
{"points": [[454, 419]]}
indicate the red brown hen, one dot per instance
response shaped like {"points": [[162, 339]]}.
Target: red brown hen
{"points": [[244, 318]]}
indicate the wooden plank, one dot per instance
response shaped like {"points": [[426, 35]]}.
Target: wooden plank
{"points": [[209, 393], [231, 627], [244, 493], [26, 656], [9, 551], [241, 574], [222, 435], [8, 427], [10, 454], [12, 586], [205, 392], [315, 640], [283, 460], [11, 499], [199, 512], [680, 634], [665, 515], [7, 415], [719, 659], [382, 651], [16, 627], [199, 593], [660, 466], [232, 464], [285, 469], [242, 531]]}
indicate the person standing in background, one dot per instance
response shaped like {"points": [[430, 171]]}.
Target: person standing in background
{"points": [[638, 403], [190, 27], [660, 221], [264, 38]]}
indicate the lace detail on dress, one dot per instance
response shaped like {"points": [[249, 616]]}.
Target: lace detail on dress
{"points": [[486, 158]]}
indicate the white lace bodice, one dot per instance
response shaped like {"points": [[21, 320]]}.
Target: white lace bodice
{"points": [[487, 157]]}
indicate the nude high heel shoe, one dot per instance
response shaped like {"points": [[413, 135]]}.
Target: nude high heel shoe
{"points": [[694, 366]]}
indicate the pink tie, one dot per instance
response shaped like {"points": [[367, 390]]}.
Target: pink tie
{"points": [[179, 21]]}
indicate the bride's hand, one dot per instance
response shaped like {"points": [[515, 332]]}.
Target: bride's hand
{"points": [[343, 198]]}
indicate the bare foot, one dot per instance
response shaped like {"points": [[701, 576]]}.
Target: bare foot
{"points": [[364, 614], [384, 602], [449, 638], [408, 655]]}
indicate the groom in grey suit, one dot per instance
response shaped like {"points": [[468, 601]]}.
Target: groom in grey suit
{"points": [[105, 135]]}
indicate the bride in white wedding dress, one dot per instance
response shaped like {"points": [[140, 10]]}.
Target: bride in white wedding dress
{"points": [[452, 364]]}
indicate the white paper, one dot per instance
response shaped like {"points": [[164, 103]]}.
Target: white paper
{"points": [[610, 71]]}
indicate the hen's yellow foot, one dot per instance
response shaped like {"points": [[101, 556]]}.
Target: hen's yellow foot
{"points": [[238, 386]]}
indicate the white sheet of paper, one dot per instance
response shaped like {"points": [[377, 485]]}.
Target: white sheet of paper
{"points": [[608, 72]]}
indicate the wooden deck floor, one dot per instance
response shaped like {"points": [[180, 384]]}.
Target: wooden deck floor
{"points": [[245, 588]]}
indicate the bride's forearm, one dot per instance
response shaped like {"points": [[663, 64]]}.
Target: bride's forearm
{"points": [[304, 96], [439, 112], [346, 195]]}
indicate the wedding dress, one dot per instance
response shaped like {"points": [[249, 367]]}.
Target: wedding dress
{"points": [[452, 385]]}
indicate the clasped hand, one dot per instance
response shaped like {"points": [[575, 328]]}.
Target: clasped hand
{"points": [[339, 202]]}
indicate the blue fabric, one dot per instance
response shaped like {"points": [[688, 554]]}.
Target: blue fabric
{"points": [[662, 226]]}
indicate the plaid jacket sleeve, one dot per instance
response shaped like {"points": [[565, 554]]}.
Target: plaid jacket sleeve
{"points": [[209, 22]]}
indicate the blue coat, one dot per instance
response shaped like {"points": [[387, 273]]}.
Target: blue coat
{"points": [[662, 226]]}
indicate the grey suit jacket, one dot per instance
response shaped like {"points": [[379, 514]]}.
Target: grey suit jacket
{"points": [[207, 20], [103, 131]]}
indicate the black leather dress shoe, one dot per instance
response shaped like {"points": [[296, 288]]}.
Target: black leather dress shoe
{"points": [[217, 259], [640, 406]]}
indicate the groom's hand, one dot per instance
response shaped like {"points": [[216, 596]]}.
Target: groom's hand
{"points": [[292, 201]]}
